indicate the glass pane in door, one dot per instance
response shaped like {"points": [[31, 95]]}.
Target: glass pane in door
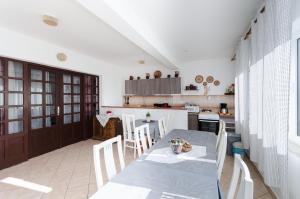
{"points": [[15, 85], [36, 99], [15, 127], [67, 79], [15, 69], [36, 74], [50, 77], [76, 80], [67, 119], [36, 87], [50, 87], [15, 113], [50, 121], [37, 123], [36, 111], [1, 84], [15, 99]]}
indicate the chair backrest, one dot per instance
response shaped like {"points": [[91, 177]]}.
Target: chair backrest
{"points": [[241, 175], [142, 138], [128, 123], [221, 129], [162, 127], [107, 147], [221, 152]]}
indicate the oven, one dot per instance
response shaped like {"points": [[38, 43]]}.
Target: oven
{"points": [[208, 121]]}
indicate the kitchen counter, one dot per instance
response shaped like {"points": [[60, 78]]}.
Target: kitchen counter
{"points": [[176, 117], [147, 107]]}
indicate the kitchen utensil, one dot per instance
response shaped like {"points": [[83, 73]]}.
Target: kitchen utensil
{"points": [[157, 74], [199, 79], [204, 83]]}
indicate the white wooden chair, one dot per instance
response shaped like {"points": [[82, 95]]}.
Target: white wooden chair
{"points": [[142, 138], [221, 128], [107, 147], [128, 123], [241, 175], [221, 152], [162, 127]]}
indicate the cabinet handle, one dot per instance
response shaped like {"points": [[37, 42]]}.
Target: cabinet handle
{"points": [[58, 110]]}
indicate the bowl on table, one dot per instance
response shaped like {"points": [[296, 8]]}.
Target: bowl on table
{"points": [[176, 145]]}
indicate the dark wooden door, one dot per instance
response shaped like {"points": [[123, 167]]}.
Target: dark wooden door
{"points": [[91, 103], [71, 103], [13, 120], [44, 125]]}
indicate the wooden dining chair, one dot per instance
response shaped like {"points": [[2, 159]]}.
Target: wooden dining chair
{"points": [[241, 184], [162, 127], [128, 123], [142, 138], [221, 152], [107, 147], [221, 129]]}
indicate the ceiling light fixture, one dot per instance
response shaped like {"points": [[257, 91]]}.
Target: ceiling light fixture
{"points": [[61, 57], [142, 62], [50, 20]]}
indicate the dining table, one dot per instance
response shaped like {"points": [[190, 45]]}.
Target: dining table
{"points": [[161, 174]]}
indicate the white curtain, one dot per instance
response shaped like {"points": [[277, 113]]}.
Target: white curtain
{"points": [[241, 91], [268, 91]]}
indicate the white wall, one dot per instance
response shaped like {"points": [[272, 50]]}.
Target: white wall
{"points": [[24, 47], [221, 69]]}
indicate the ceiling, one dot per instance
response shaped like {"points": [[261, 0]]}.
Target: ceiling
{"points": [[78, 30], [167, 32], [194, 29]]}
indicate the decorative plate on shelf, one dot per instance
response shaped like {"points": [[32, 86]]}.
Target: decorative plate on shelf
{"points": [[199, 79], [210, 79], [157, 74], [216, 82]]}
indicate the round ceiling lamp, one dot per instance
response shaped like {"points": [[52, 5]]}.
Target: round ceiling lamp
{"points": [[50, 20], [61, 56]]}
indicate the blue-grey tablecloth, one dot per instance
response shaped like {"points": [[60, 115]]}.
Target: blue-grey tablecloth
{"points": [[161, 174]]}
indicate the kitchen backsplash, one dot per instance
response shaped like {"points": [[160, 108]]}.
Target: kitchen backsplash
{"points": [[175, 100]]}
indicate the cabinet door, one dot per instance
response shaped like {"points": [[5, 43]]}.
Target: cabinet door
{"points": [[165, 86], [156, 86], [131, 87], [175, 84], [193, 121]]}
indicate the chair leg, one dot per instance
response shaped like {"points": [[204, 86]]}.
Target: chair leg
{"points": [[124, 148], [134, 152]]}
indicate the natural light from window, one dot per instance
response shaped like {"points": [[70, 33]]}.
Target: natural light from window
{"points": [[26, 184]]}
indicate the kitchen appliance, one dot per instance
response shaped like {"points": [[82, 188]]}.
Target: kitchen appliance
{"points": [[223, 108], [208, 121], [191, 108]]}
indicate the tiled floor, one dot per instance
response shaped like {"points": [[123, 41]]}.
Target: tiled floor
{"points": [[69, 172]]}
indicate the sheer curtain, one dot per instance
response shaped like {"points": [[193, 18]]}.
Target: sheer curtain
{"points": [[268, 91], [241, 94]]}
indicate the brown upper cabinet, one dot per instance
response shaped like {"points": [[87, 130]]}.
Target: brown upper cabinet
{"points": [[148, 87]]}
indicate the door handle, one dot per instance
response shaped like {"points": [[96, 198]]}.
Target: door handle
{"points": [[58, 110]]}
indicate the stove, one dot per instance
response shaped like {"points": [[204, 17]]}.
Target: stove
{"points": [[208, 121]]}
